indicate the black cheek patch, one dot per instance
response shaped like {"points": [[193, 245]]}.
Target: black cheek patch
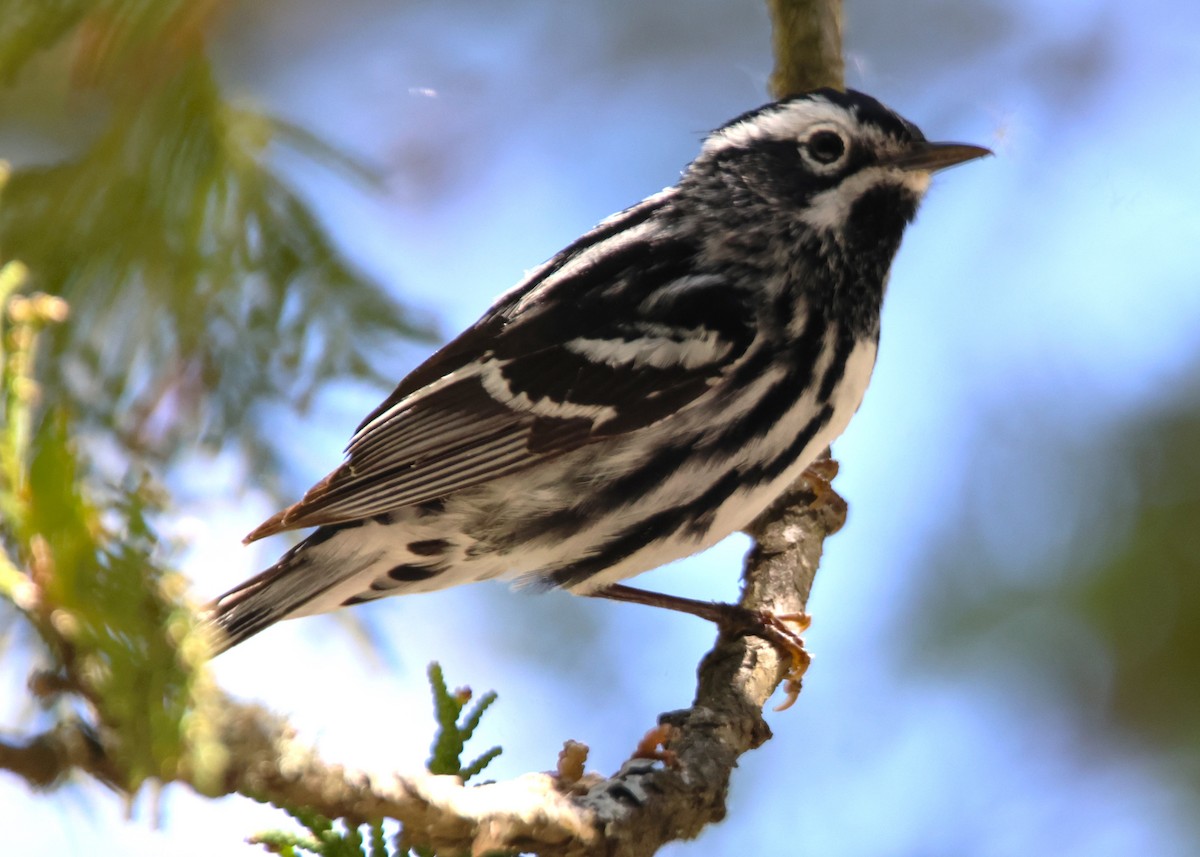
{"points": [[880, 215]]}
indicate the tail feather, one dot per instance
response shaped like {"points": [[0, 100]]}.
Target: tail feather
{"points": [[298, 585], [338, 565], [245, 610]]}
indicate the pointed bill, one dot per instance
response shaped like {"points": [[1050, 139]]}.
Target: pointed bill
{"points": [[931, 157]]}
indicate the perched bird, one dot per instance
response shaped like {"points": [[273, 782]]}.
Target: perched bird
{"points": [[645, 393]]}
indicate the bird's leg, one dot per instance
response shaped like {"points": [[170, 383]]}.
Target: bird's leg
{"points": [[782, 630]]}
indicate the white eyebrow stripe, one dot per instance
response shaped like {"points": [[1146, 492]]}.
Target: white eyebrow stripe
{"points": [[789, 122]]}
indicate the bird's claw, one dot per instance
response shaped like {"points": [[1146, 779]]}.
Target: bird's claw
{"points": [[819, 476], [781, 630], [783, 636]]}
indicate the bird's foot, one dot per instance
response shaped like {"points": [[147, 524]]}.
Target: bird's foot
{"points": [[781, 630], [801, 659], [819, 475]]}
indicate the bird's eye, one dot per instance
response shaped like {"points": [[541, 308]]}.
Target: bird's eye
{"points": [[825, 147]]}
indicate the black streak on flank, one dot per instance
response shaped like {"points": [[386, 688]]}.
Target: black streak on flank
{"points": [[639, 481], [323, 534], [695, 515], [429, 547], [837, 367], [412, 573], [778, 399]]}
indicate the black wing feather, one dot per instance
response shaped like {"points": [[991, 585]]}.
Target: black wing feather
{"points": [[479, 337], [542, 374]]}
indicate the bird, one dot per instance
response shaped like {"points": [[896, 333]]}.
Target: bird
{"points": [[649, 390]]}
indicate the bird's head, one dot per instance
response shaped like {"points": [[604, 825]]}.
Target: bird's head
{"points": [[841, 163]]}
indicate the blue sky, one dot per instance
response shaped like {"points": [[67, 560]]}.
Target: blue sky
{"points": [[1063, 272]]}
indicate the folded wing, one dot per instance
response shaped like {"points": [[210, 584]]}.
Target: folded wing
{"points": [[558, 366]]}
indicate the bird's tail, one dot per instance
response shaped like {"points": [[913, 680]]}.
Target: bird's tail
{"points": [[302, 583]]}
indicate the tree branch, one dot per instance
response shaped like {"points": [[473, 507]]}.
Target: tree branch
{"points": [[806, 36], [631, 814], [46, 759]]}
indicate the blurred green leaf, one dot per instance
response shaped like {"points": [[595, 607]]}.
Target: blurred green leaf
{"points": [[1105, 622], [28, 27], [1144, 601], [84, 566], [203, 289]]}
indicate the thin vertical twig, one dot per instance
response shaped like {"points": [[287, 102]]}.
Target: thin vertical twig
{"points": [[806, 37]]}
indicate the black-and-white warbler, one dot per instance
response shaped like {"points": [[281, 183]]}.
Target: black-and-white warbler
{"points": [[645, 393]]}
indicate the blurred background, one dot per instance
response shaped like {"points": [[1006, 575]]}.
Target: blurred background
{"points": [[1006, 635]]}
